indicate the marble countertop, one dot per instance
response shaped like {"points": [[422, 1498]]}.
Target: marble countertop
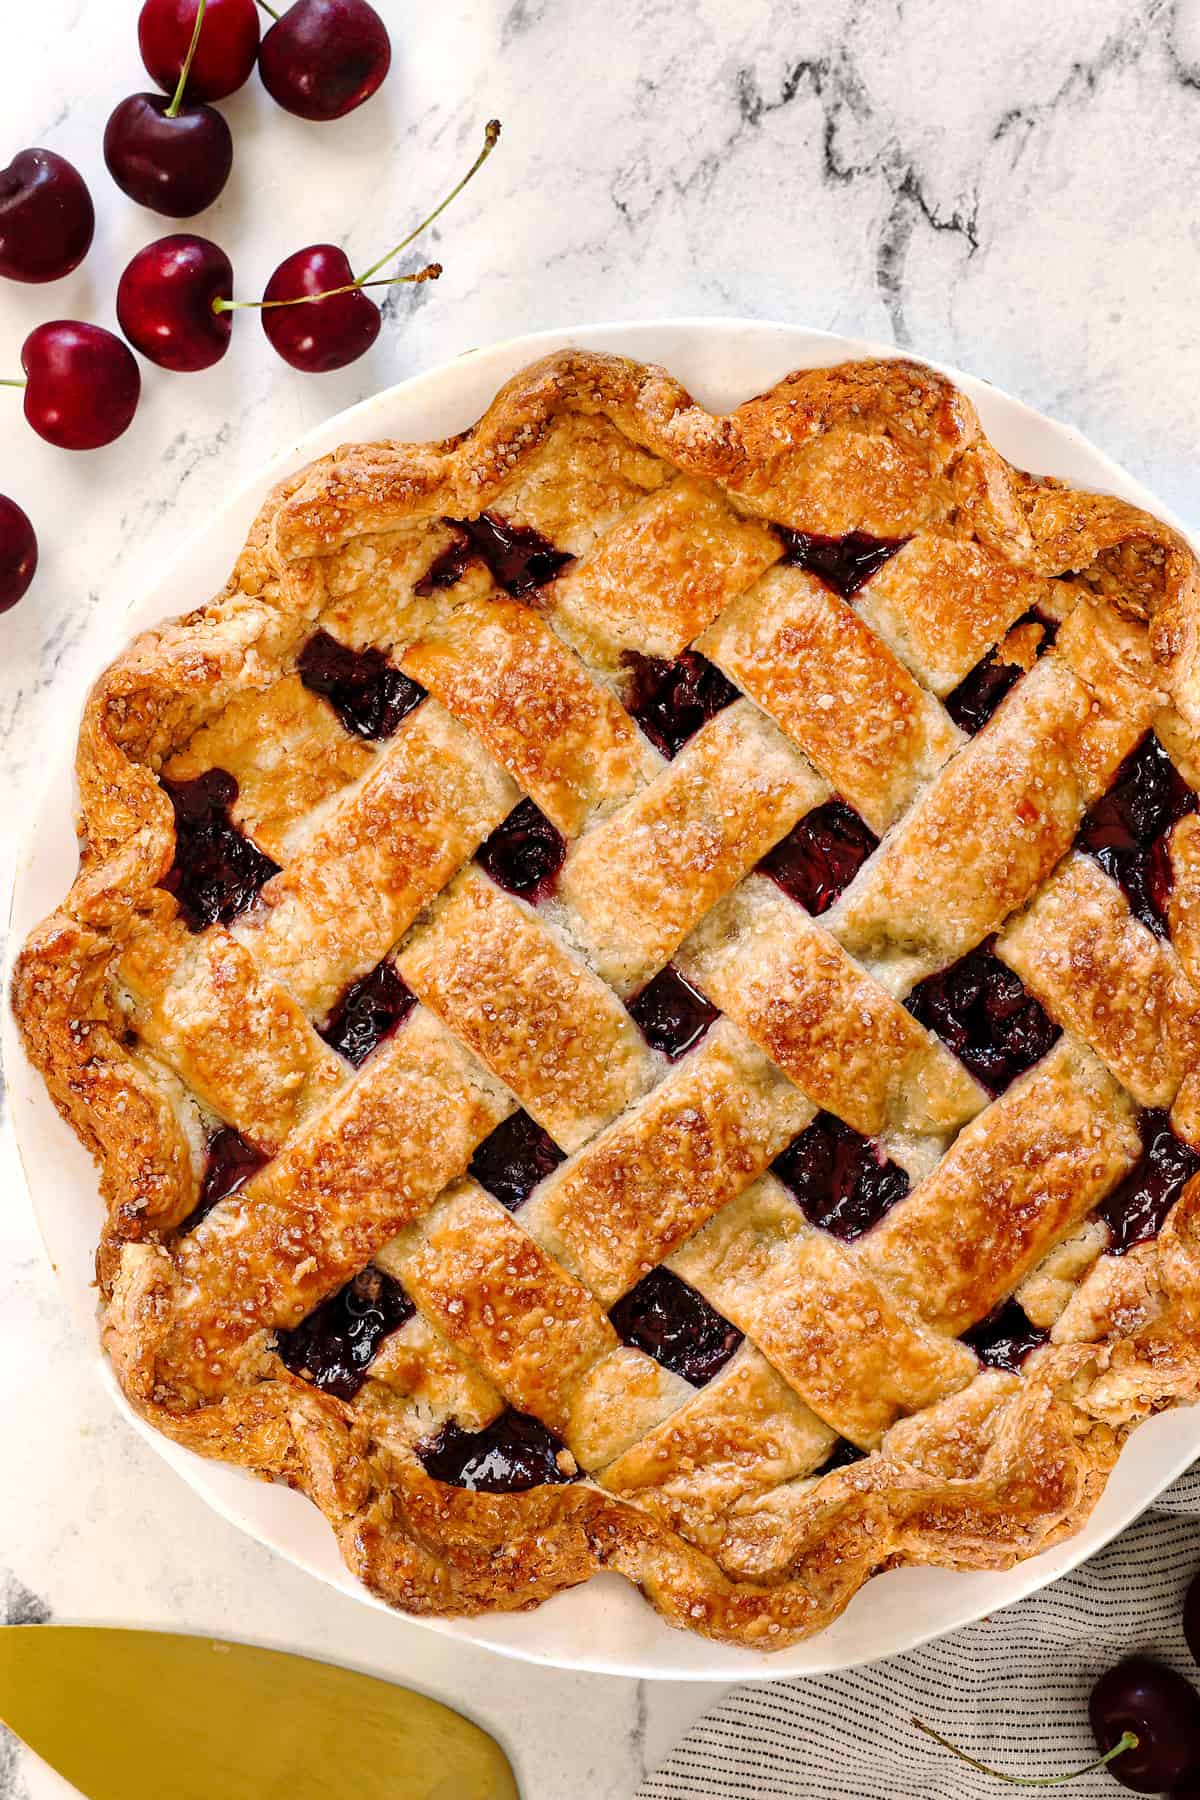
{"points": [[1010, 188]]}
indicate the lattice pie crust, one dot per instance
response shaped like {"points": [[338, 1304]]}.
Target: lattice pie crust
{"points": [[841, 1211]]}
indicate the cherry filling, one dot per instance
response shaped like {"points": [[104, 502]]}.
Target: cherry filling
{"points": [[841, 1180], [447, 568], [513, 1453], [518, 557], [217, 871], [980, 692], [844, 564], [1137, 1210], [369, 1011], [675, 1325], [979, 1008], [512, 1159], [1005, 1338], [843, 1454], [819, 857], [369, 695], [231, 1162], [672, 700], [524, 853], [1126, 830], [671, 1014], [336, 1345]]}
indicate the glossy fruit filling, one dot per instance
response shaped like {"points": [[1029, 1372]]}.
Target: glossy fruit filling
{"points": [[513, 1453], [844, 564], [336, 1345], [671, 1014], [671, 1322], [369, 1011], [1127, 830], [524, 853], [231, 1162], [842, 1456], [217, 871], [981, 1010], [980, 692], [672, 700], [1137, 1209], [512, 1159], [518, 558], [842, 1181], [1005, 1338], [369, 695], [821, 855]]}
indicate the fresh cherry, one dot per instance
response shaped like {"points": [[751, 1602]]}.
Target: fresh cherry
{"points": [[314, 310], [174, 159], [18, 553], [82, 385], [338, 326], [1145, 1699], [46, 217], [225, 52], [325, 57], [165, 302]]}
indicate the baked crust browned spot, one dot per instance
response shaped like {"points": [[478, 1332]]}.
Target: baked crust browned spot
{"points": [[332, 988]]}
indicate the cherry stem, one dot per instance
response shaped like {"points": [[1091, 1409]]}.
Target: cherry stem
{"points": [[1128, 1740], [429, 273], [189, 59], [491, 133], [14, 384], [269, 9]]}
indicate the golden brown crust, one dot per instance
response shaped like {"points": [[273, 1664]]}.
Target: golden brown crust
{"points": [[706, 1501]]}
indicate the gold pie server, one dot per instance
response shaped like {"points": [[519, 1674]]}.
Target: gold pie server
{"points": [[150, 1715]]}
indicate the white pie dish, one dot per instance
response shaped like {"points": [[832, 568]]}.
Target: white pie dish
{"points": [[722, 362]]}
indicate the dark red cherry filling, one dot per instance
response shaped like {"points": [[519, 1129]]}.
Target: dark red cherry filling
{"points": [[671, 1322], [336, 1345], [524, 853], [369, 1011], [820, 856], [512, 1159], [980, 1009], [980, 691], [1005, 1338], [519, 558], [447, 568], [369, 695], [842, 1456], [1126, 830], [841, 1180], [1137, 1209], [513, 1453], [671, 1014], [231, 1162], [844, 564], [217, 871], [672, 700]]}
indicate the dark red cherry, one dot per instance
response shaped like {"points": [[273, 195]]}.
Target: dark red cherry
{"points": [[18, 553], [1161, 1710], [174, 162], [165, 302], [326, 333], [46, 217], [82, 384], [225, 52], [325, 57]]}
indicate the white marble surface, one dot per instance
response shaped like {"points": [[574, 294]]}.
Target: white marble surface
{"points": [[1009, 187]]}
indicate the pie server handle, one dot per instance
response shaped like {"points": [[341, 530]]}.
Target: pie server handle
{"points": [[140, 1715]]}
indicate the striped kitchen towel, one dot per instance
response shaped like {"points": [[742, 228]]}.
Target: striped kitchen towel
{"points": [[1012, 1690]]}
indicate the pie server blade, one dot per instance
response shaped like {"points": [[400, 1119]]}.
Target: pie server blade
{"points": [[142, 1715]]}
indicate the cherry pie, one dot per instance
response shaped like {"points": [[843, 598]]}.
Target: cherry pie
{"points": [[634, 982]]}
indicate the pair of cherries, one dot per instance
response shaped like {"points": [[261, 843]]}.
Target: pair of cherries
{"points": [[174, 303], [173, 151]]}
